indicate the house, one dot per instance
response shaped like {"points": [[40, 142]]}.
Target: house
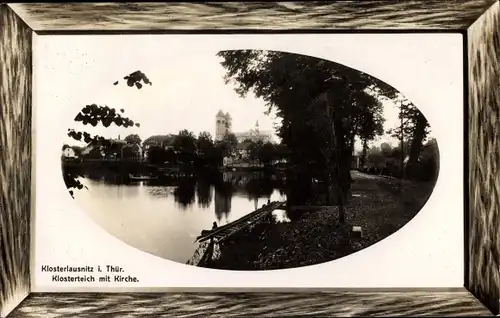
{"points": [[254, 135], [106, 150], [163, 141], [243, 149], [69, 153], [112, 149], [242, 156]]}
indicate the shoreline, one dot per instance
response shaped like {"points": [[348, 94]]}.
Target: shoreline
{"points": [[381, 207], [130, 164]]}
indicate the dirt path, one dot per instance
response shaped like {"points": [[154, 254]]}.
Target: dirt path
{"points": [[385, 204], [357, 175]]}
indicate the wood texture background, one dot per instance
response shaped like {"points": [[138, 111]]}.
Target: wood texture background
{"points": [[15, 158], [484, 158], [15, 147], [430, 14], [331, 304]]}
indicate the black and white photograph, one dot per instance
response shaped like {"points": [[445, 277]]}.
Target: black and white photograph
{"points": [[243, 159]]}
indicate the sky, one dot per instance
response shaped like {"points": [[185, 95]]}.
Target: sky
{"points": [[187, 88]]}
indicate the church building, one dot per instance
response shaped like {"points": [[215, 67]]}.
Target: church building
{"points": [[223, 126]]}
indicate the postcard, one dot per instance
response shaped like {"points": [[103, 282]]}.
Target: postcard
{"points": [[248, 161]]}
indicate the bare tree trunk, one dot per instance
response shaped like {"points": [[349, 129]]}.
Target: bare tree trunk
{"points": [[339, 175], [332, 157], [341, 160]]}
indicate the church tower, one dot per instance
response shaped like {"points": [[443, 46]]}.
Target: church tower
{"points": [[229, 123], [222, 125]]}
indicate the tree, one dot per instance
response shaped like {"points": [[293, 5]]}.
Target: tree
{"points": [[368, 120], [78, 150], [205, 144], [231, 140], [266, 153], [185, 146], [429, 160], [133, 139], [157, 155], [253, 148], [227, 146], [93, 115], [185, 141], [323, 106], [376, 157], [206, 152], [386, 149], [412, 131], [130, 151], [281, 152], [170, 155], [94, 153]]}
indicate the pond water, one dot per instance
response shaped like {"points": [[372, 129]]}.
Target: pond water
{"points": [[165, 217]]}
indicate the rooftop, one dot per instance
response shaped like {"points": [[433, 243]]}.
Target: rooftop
{"points": [[253, 133], [117, 141], [160, 139]]}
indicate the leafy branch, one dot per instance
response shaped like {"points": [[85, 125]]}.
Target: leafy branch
{"points": [[94, 114], [135, 78]]}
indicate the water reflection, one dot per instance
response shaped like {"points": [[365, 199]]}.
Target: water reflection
{"points": [[164, 216], [204, 193], [222, 204], [184, 193], [203, 189]]}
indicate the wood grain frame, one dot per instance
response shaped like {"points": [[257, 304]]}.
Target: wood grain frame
{"points": [[477, 20]]}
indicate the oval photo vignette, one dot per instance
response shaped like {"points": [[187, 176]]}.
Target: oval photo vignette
{"points": [[292, 161]]}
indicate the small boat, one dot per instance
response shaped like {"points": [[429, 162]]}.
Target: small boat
{"points": [[141, 178]]}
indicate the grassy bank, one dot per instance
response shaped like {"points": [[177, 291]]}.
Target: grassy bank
{"points": [[382, 207]]}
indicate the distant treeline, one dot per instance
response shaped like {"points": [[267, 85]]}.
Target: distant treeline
{"points": [[185, 148], [390, 161]]}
